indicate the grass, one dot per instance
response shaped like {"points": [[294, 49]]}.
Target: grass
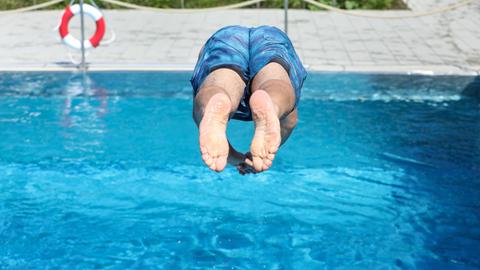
{"points": [[346, 4]]}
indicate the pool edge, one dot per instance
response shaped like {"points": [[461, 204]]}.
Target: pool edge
{"points": [[417, 70]]}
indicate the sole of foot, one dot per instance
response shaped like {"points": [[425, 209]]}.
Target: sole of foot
{"points": [[213, 140], [267, 138]]}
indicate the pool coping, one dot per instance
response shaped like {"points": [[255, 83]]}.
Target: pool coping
{"points": [[414, 70]]}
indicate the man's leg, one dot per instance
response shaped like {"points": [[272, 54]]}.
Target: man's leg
{"points": [[215, 102], [271, 102]]}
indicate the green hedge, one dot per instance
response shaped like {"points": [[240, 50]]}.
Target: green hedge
{"points": [[346, 4]]}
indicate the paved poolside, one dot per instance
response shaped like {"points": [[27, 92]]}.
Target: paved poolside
{"points": [[447, 43]]}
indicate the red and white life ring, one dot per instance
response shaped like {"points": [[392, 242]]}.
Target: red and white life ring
{"points": [[93, 13]]}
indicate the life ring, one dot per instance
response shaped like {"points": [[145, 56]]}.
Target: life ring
{"points": [[93, 13]]}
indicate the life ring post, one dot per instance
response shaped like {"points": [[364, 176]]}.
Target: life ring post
{"points": [[82, 44], [82, 25]]}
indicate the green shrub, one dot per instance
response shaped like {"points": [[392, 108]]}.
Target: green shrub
{"points": [[346, 4]]}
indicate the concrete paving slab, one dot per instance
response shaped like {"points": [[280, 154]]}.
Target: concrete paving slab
{"points": [[446, 43]]}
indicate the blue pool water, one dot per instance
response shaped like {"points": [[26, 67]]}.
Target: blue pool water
{"points": [[104, 172]]}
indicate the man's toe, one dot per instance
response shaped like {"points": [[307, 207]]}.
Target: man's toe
{"points": [[220, 164], [257, 163]]}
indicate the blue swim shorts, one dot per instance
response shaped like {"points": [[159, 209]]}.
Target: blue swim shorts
{"points": [[247, 51]]}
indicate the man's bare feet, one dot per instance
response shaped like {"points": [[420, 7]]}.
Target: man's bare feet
{"points": [[267, 136], [213, 140]]}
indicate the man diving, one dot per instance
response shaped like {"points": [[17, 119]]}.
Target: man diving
{"points": [[246, 74]]}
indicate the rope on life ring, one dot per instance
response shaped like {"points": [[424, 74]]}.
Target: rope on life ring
{"points": [[92, 12]]}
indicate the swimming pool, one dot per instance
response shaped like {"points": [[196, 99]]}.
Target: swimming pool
{"points": [[103, 171]]}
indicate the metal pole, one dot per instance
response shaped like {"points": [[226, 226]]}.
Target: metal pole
{"points": [[182, 3], [285, 8], [82, 25]]}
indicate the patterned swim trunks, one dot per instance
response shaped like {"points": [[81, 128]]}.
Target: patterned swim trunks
{"points": [[247, 51]]}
